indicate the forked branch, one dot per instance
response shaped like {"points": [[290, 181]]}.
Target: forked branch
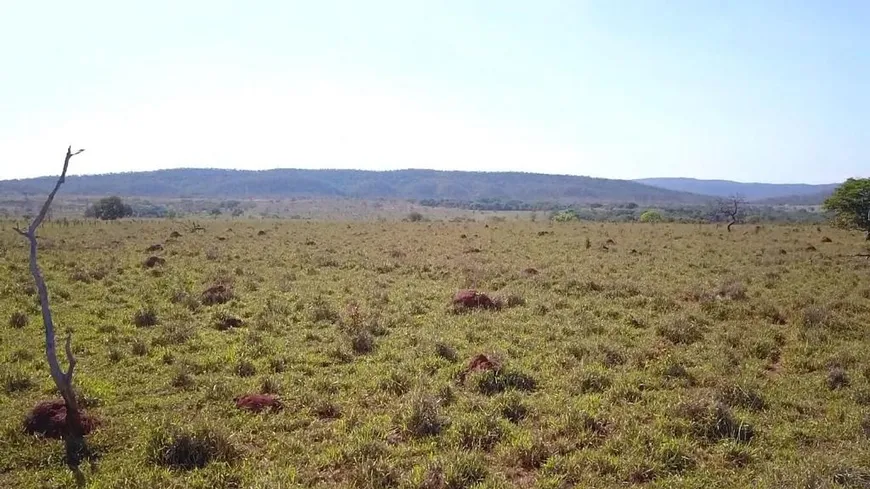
{"points": [[63, 380]]}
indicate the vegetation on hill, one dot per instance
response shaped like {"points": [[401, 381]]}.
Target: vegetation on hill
{"points": [[400, 184], [784, 193]]}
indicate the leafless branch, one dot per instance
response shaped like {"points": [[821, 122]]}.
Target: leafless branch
{"points": [[62, 380], [732, 208]]}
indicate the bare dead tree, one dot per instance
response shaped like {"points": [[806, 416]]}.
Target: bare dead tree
{"points": [[732, 209], [74, 439], [196, 227]]}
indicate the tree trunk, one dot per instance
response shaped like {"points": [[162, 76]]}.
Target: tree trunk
{"points": [[730, 224], [74, 440]]}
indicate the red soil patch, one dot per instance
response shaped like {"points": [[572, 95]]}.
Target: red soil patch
{"points": [[472, 299], [258, 403], [481, 363], [48, 418]]}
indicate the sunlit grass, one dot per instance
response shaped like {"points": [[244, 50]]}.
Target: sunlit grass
{"points": [[661, 355]]}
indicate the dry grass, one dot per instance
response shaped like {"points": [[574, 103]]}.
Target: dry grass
{"points": [[674, 356]]}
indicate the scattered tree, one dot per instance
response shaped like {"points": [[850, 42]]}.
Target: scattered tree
{"points": [[850, 204], [651, 216], [732, 209], [415, 217], [109, 209], [74, 440], [565, 216]]}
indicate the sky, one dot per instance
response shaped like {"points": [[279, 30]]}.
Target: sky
{"points": [[767, 91]]}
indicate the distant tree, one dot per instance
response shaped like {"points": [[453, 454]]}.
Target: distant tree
{"points": [[215, 212], [850, 204], [415, 217], [565, 216], [109, 208], [631, 205], [651, 216], [732, 209]]}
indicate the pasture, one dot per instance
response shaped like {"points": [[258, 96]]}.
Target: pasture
{"points": [[638, 355]]}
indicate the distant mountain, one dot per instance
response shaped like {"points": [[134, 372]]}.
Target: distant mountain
{"points": [[399, 184], [809, 199], [787, 193]]}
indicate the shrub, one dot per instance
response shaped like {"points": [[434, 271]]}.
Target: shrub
{"points": [[139, 348], [217, 294], [713, 421], [592, 382], [732, 289], [186, 449], [495, 381], [224, 321], [326, 409], [741, 396], [479, 432], [837, 378], [513, 300], [362, 342], [422, 417], [674, 457], [465, 471], [183, 380], [681, 331], [815, 317], [18, 320], [145, 317], [415, 217], [16, 382], [512, 408], [245, 368], [446, 352], [651, 216]]}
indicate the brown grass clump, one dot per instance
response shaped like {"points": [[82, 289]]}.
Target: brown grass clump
{"points": [[48, 419], [224, 321], [18, 320], [217, 294], [183, 449]]}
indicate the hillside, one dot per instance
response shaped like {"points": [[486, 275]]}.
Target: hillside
{"points": [[782, 193], [399, 184]]}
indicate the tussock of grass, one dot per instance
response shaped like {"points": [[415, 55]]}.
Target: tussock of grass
{"points": [[185, 449]]}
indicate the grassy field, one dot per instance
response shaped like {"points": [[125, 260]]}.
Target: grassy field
{"points": [[646, 355]]}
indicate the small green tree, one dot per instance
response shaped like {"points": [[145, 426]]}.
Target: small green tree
{"points": [[565, 216], [850, 204], [109, 208], [651, 216]]}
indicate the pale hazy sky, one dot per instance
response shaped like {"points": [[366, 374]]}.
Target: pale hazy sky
{"points": [[761, 90]]}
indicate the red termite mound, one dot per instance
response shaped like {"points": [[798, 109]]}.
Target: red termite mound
{"points": [[48, 418]]}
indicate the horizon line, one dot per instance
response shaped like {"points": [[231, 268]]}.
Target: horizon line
{"points": [[240, 170]]}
